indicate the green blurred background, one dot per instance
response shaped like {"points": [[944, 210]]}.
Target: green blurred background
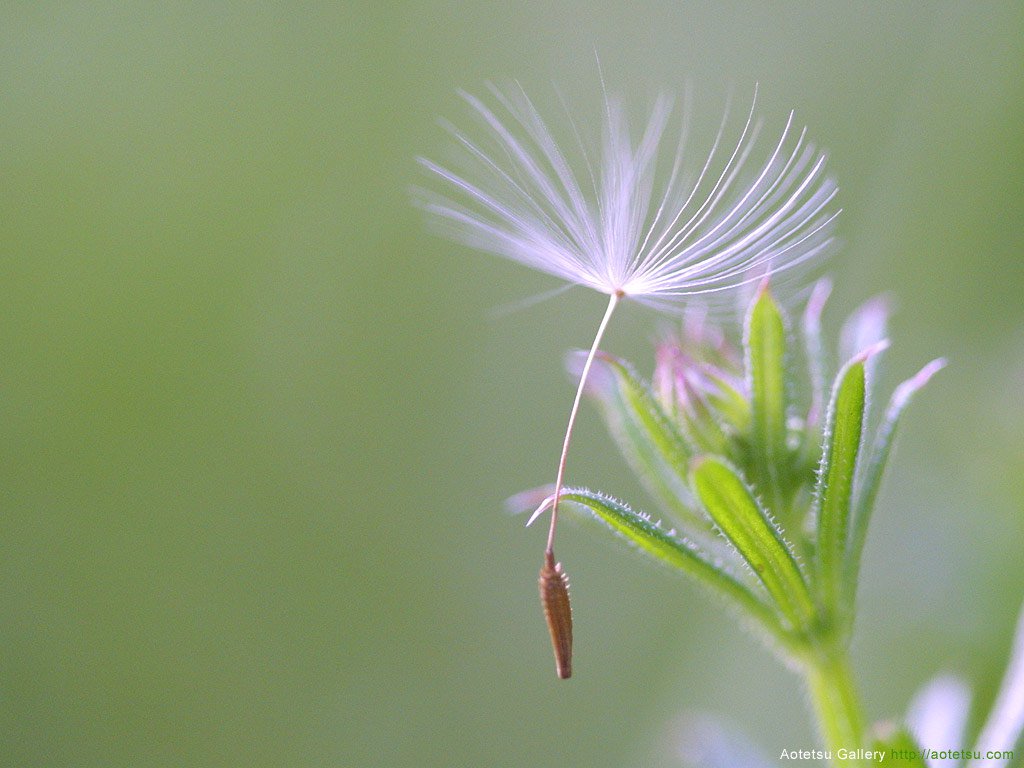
{"points": [[258, 423]]}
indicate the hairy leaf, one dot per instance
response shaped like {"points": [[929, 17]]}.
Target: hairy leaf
{"points": [[649, 441], [766, 366], [871, 478], [735, 511], [676, 551], [844, 428]]}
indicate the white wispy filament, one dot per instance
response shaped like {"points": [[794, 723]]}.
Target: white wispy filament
{"points": [[623, 229], [638, 225]]}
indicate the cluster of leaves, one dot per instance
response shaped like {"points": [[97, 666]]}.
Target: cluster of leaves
{"points": [[770, 480], [769, 487]]}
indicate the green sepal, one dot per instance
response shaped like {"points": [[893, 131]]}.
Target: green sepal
{"points": [[748, 527]]}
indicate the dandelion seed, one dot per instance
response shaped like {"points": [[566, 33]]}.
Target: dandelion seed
{"points": [[627, 228]]}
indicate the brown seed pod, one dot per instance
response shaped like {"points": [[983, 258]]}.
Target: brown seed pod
{"points": [[554, 596]]}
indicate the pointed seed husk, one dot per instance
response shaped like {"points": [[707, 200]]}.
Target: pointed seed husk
{"points": [[554, 596]]}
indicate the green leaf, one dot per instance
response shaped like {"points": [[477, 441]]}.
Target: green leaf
{"points": [[649, 440], [675, 551], [871, 479], [766, 365], [735, 511], [843, 431], [701, 422], [899, 748], [727, 399]]}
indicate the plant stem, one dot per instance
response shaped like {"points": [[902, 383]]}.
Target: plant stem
{"points": [[836, 705], [613, 301]]}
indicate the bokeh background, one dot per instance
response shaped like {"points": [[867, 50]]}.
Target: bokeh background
{"points": [[258, 423]]}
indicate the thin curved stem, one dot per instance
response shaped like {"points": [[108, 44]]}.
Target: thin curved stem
{"points": [[612, 303]]}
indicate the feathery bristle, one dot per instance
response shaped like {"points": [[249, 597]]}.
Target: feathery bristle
{"points": [[626, 224]]}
